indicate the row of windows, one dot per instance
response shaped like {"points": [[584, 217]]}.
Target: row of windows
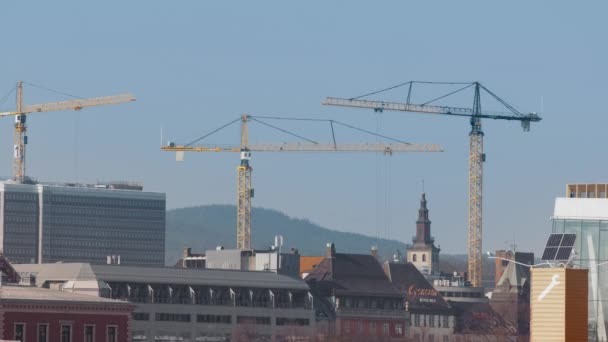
{"points": [[370, 328], [97, 201], [102, 212], [23, 229], [20, 196], [100, 257], [415, 257], [21, 207], [101, 223], [220, 319], [432, 321], [105, 245], [172, 317], [21, 241], [12, 218], [257, 320], [65, 333], [369, 303], [111, 235]]}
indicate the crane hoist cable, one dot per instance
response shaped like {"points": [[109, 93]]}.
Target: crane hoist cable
{"points": [[244, 170], [476, 153]]}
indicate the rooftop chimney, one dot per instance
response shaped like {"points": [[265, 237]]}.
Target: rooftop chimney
{"points": [[375, 251], [187, 252], [330, 250]]}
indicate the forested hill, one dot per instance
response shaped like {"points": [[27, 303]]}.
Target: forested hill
{"points": [[206, 227]]}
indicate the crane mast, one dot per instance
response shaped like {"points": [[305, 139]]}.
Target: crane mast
{"points": [[20, 137], [244, 192], [476, 159], [244, 170], [476, 154]]}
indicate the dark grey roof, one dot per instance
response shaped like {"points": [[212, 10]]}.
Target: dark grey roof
{"points": [[161, 275], [353, 274], [419, 293]]}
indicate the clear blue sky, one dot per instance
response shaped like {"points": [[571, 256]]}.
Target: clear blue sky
{"points": [[195, 65]]}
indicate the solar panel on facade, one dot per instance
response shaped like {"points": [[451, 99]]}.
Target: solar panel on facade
{"points": [[559, 247], [554, 240], [549, 253], [568, 240], [563, 253]]}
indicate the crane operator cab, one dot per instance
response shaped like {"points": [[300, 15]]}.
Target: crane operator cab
{"points": [[245, 158]]}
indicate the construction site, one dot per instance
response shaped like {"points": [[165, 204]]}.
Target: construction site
{"points": [[363, 221]]}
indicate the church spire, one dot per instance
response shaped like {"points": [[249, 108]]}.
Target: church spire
{"points": [[423, 224]]}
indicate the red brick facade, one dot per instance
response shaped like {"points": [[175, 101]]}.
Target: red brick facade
{"points": [[55, 315], [375, 329]]}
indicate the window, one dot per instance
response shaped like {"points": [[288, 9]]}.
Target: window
{"points": [[89, 333], [20, 332], [252, 320], [298, 321], [360, 327], [112, 332], [446, 321], [385, 329], [171, 317], [423, 257], [141, 316], [431, 338], [416, 320], [221, 319], [431, 320], [372, 328], [398, 329], [414, 257], [66, 333], [43, 332], [446, 338]]}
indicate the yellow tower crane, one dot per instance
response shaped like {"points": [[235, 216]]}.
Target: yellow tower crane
{"points": [[476, 154], [20, 138], [244, 184]]}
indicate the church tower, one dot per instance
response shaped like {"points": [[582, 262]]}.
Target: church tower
{"points": [[423, 254]]}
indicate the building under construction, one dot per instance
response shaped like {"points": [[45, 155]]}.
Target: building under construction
{"points": [[114, 222]]}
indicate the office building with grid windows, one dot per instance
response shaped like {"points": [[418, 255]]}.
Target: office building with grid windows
{"points": [[43, 223]]}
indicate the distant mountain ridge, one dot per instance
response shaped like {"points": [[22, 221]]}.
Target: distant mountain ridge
{"points": [[205, 227]]}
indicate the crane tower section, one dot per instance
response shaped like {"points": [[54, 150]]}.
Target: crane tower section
{"points": [[476, 159], [476, 155], [243, 208], [244, 170]]}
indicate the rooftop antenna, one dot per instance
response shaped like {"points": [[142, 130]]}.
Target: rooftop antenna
{"points": [[423, 186]]}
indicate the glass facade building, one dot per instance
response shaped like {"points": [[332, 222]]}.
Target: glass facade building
{"points": [[48, 223], [588, 219]]}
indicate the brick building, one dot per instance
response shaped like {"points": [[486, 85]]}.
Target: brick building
{"points": [[431, 317], [188, 305], [355, 300], [36, 314], [29, 313]]}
